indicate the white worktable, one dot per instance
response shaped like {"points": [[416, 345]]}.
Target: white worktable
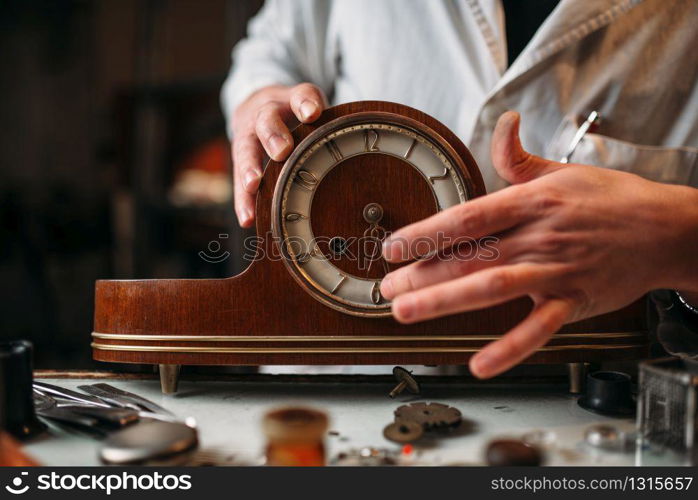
{"points": [[229, 413]]}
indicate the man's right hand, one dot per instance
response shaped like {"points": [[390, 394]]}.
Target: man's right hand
{"points": [[261, 123]]}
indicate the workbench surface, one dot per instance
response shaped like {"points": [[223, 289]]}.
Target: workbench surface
{"points": [[229, 413]]}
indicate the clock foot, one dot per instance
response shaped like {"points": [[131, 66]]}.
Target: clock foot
{"points": [[576, 373], [169, 378]]}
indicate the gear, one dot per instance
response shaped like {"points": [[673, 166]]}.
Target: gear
{"points": [[404, 431], [429, 415]]}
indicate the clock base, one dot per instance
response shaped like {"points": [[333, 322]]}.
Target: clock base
{"points": [[234, 321], [169, 377]]}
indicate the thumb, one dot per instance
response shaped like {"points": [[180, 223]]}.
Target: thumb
{"points": [[512, 162]]}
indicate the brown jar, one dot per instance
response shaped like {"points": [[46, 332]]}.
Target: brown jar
{"points": [[295, 437]]}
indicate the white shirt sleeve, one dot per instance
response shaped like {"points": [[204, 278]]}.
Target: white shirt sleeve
{"points": [[286, 44]]}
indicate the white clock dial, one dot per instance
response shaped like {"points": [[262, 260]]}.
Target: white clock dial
{"points": [[307, 169]]}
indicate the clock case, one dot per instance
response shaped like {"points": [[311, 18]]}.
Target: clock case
{"points": [[263, 317]]}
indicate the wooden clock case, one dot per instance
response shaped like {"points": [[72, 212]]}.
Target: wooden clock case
{"points": [[263, 317]]}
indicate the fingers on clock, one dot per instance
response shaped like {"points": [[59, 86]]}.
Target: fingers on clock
{"points": [[523, 340], [244, 206], [479, 290], [474, 219], [307, 102], [273, 132], [248, 157], [247, 166]]}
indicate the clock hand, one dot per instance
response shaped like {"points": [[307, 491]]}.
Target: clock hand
{"points": [[374, 232], [386, 268], [373, 214], [369, 234]]}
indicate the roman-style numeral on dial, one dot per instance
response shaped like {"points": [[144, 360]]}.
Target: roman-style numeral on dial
{"points": [[376, 296], [371, 140], [433, 178], [294, 217], [334, 150], [342, 279], [409, 150], [306, 180], [304, 257]]}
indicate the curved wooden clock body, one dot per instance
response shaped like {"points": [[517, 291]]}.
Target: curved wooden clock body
{"points": [[263, 316]]}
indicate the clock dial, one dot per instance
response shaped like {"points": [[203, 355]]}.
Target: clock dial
{"points": [[347, 186]]}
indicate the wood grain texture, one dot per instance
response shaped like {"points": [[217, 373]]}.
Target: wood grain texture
{"points": [[271, 320], [331, 217]]}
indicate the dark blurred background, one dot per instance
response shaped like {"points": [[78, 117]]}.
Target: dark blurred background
{"points": [[113, 156]]}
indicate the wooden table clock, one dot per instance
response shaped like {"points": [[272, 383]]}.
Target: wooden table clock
{"points": [[309, 297]]}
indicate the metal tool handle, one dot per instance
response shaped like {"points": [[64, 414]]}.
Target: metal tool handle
{"points": [[109, 398], [593, 119], [61, 392]]}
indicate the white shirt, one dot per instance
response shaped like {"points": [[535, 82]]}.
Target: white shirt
{"points": [[634, 61]]}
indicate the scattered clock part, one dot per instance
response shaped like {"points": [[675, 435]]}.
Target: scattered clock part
{"points": [[405, 382], [602, 436], [540, 438], [404, 431], [608, 437], [512, 452], [367, 457], [430, 415]]}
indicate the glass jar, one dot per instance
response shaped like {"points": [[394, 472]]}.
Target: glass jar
{"points": [[295, 437]]}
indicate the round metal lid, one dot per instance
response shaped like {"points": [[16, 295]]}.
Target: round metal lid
{"points": [[147, 440]]}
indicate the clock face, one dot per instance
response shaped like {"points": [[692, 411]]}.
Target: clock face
{"points": [[345, 187]]}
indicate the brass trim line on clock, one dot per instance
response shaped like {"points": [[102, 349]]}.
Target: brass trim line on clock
{"points": [[338, 338], [337, 350]]}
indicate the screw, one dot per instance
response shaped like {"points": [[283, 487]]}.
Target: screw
{"points": [[405, 381], [398, 389], [338, 246], [373, 213]]}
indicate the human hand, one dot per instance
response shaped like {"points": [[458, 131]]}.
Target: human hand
{"points": [[578, 240], [261, 124]]}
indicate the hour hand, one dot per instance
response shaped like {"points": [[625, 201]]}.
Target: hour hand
{"points": [[373, 214]]}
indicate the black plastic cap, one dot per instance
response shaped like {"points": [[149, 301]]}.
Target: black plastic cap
{"points": [[17, 415], [609, 393]]}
